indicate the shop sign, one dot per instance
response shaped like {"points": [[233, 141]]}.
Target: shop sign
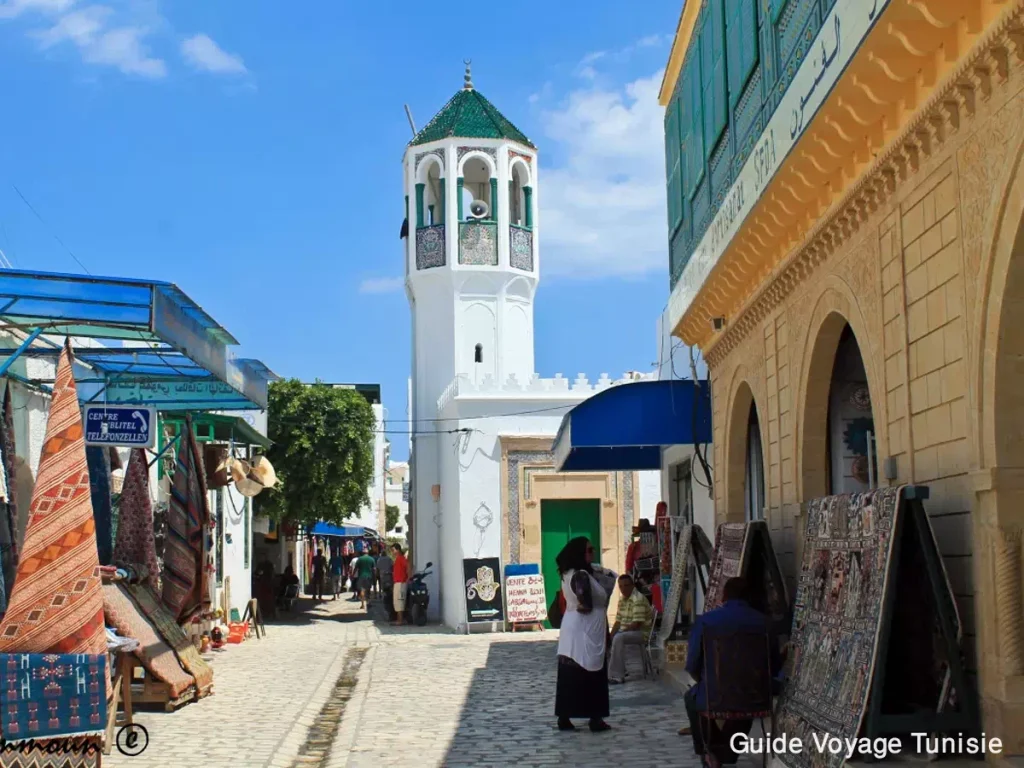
{"points": [[126, 427], [525, 599], [483, 589], [838, 39]]}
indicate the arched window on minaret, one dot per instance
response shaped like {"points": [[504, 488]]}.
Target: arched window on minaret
{"points": [[433, 194], [517, 196], [478, 353], [477, 185]]}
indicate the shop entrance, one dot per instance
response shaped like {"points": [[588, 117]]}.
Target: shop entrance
{"points": [[560, 521]]}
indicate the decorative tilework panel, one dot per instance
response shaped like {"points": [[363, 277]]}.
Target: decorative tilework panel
{"points": [[478, 243], [489, 151], [439, 153], [521, 254], [430, 247], [516, 460]]}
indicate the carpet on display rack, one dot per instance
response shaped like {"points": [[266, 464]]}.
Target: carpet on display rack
{"points": [[692, 552], [862, 558], [745, 549]]}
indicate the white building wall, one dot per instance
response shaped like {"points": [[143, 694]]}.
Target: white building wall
{"points": [[369, 514]]}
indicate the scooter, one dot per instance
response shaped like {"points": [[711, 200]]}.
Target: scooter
{"points": [[418, 597]]}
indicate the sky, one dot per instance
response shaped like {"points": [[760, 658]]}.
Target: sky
{"points": [[250, 152]]}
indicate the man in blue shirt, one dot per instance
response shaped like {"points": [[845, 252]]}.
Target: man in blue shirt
{"points": [[734, 615]]}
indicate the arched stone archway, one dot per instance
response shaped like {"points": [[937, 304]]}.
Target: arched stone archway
{"points": [[998, 513], [835, 311], [742, 457]]}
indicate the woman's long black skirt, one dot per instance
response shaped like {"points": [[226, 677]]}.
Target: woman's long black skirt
{"points": [[579, 693]]}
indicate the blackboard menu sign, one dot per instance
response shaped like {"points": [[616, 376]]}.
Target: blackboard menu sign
{"points": [[483, 589]]}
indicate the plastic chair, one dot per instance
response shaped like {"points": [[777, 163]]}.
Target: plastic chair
{"points": [[740, 688], [646, 656]]}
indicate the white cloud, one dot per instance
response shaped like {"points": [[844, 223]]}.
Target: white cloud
{"points": [[602, 211], [382, 285], [202, 53], [11, 8], [88, 28]]}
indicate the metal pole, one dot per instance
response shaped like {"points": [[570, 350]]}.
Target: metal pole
{"points": [[408, 114], [871, 461], [5, 366]]}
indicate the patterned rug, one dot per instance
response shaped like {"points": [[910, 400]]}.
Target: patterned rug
{"points": [[135, 544], [837, 618], [52, 695], [98, 460], [82, 752], [56, 605], [684, 558], [174, 635], [745, 549], [185, 575], [156, 655], [730, 544]]}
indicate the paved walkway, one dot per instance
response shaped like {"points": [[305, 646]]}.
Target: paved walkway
{"points": [[331, 688]]}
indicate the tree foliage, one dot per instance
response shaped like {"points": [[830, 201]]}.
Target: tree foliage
{"points": [[322, 452], [391, 519]]}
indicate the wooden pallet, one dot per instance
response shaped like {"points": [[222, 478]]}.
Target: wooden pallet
{"points": [[147, 690]]}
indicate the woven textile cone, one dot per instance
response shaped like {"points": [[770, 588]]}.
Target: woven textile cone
{"points": [[135, 544], [185, 575], [56, 605]]}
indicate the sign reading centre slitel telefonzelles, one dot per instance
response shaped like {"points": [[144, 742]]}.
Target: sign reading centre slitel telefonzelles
{"points": [[127, 426]]}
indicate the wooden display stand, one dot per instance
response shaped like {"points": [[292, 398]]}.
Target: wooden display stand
{"points": [[153, 691], [255, 617], [122, 696], [913, 552]]}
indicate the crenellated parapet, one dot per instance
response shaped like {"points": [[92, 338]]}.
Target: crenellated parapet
{"points": [[579, 388]]}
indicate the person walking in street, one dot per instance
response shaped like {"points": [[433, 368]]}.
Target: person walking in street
{"points": [[632, 626], [385, 577], [365, 566], [582, 687], [400, 575], [352, 576], [337, 566], [319, 574]]}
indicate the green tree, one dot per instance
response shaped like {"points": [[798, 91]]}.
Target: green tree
{"points": [[322, 452], [391, 513]]}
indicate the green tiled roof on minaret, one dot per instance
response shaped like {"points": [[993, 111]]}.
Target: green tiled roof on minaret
{"points": [[469, 115]]}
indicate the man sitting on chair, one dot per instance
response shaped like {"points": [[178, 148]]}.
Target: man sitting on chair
{"points": [[632, 626], [734, 616]]}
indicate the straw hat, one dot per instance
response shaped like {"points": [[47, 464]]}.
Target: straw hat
{"points": [[263, 471], [248, 486], [238, 469]]}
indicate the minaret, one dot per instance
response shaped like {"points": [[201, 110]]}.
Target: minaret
{"points": [[471, 263]]}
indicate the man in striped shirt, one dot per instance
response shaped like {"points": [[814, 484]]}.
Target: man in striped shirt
{"points": [[632, 626]]}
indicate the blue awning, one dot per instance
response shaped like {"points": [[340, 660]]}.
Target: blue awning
{"points": [[625, 427], [326, 529], [160, 347]]}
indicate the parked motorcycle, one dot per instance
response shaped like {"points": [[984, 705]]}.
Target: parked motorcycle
{"points": [[417, 597]]}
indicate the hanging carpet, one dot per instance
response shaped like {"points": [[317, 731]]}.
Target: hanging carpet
{"points": [[189, 658], [9, 469], [98, 460], [157, 657], [692, 549], [135, 542], [186, 574], [746, 550], [839, 611], [56, 605]]}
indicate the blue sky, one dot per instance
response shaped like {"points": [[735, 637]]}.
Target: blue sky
{"points": [[251, 153]]}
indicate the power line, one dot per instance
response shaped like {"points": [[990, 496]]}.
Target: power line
{"points": [[53, 234]]}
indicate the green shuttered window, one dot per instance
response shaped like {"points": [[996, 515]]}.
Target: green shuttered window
{"points": [[673, 166], [692, 131], [712, 43], [741, 45]]}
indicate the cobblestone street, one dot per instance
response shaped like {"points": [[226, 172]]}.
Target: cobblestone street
{"points": [[332, 688]]}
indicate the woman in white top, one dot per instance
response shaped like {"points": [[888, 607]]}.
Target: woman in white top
{"points": [[582, 689]]}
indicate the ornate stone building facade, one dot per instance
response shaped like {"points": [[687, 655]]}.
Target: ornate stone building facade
{"points": [[863, 301]]}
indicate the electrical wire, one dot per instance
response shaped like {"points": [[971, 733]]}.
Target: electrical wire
{"points": [[52, 234]]}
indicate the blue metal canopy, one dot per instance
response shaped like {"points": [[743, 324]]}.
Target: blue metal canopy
{"points": [[161, 348], [625, 427], [326, 529]]}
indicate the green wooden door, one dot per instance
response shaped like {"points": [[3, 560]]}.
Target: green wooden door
{"points": [[560, 521]]}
